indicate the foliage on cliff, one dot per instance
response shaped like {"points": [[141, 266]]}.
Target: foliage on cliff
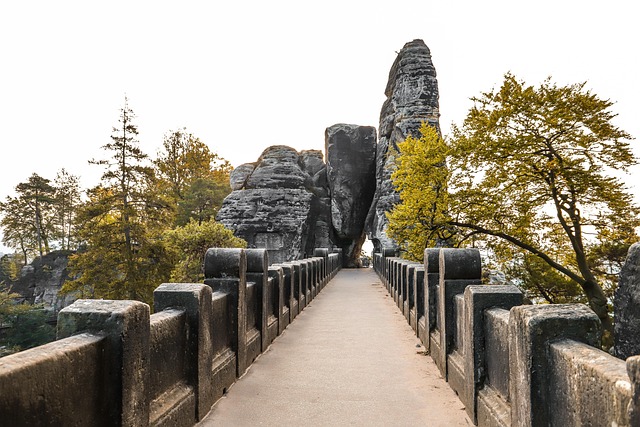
{"points": [[189, 243], [24, 326], [530, 176], [125, 226], [41, 215], [191, 177], [421, 178]]}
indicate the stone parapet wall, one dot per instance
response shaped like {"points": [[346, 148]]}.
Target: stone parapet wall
{"points": [[115, 364], [510, 364]]}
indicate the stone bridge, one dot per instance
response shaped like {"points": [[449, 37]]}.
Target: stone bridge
{"points": [[306, 342], [279, 334]]}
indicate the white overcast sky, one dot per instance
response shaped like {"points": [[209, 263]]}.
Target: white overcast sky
{"points": [[243, 75]]}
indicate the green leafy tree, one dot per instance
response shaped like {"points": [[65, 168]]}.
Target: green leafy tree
{"points": [[202, 200], [531, 180], [26, 325], [123, 255], [27, 218], [10, 266], [190, 242], [192, 178], [17, 227]]}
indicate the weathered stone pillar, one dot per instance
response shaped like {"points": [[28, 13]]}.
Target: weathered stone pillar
{"points": [[351, 173], [225, 270], [477, 299], [421, 323], [411, 296], [626, 307], [633, 369], [307, 275], [299, 289], [195, 300], [377, 260], [258, 272], [289, 302], [126, 325], [386, 253], [431, 280], [326, 267], [531, 329], [459, 268], [276, 273], [315, 268]]}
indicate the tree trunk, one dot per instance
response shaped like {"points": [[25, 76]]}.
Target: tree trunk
{"points": [[38, 229], [598, 303]]}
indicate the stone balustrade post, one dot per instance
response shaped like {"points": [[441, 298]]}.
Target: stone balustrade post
{"points": [[225, 270], [324, 254], [633, 369], [258, 272], [315, 285], [418, 302], [458, 269], [277, 274], [531, 329], [477, 299], [195, 300], [431, 281], [300, 280], [288, 294], [126, 326], [307, 275]]}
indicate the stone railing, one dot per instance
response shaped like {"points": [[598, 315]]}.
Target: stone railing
{"points": [[511, 364], [115, 364]]}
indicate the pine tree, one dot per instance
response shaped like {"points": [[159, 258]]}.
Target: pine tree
{"points": [[121, 226], [38, 193]]}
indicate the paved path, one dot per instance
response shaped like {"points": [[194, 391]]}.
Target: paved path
{"points": [[349, 358]]}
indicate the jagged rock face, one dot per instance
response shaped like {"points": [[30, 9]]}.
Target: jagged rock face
{"points": [[291, 203], [40, 281], [626, 328], [351, 172], [278, 205], [279, 166], [412, 98]]}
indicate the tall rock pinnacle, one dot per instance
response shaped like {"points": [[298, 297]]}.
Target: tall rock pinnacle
{"points": [[412, 98], [351, 173]]}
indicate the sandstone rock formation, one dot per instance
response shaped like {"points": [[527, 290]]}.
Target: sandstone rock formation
{"points": [[291, 203], [40, 281], [277, 202], [626, 329], [412, 97], [351, 173], [239, 176]]}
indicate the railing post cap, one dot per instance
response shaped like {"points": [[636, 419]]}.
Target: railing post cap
{"points": [[224, 263]]}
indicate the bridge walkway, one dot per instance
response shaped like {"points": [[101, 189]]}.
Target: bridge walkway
{"points": [[349, 358]]}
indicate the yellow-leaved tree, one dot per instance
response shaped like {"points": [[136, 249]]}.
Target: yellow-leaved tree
{"points": [[421, 178], [529, 176]]}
